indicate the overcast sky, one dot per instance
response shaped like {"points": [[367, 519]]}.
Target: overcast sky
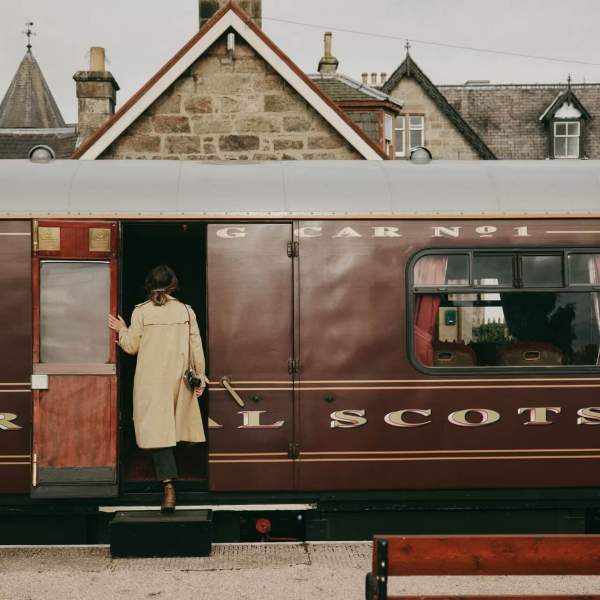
{"points": [[140, 36]]}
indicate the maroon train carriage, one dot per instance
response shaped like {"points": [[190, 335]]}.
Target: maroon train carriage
{"points": [[380, 336]]}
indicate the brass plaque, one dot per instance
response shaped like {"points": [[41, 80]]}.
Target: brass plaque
{"points": [[99, 240], [48, 238]]}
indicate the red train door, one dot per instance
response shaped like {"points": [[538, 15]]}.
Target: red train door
{"points": [[75, 392], [251, 351], [15, 357]]}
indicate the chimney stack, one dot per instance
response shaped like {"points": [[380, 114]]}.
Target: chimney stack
{"points": [[328, 63], [208, 8], [96, 94], [365, 78]]}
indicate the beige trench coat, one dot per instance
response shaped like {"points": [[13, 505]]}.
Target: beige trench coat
{"points": [[165, 410]]}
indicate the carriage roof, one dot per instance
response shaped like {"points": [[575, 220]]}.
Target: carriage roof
{"points": [[128, 189]]}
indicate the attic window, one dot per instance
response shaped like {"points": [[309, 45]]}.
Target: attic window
{"points": [[416, 127], [400, 124], [566, 139]]}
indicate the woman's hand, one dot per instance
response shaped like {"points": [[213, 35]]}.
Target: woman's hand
{"points": [[116, 324], [199, 391]]}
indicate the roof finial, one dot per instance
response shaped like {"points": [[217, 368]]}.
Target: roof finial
{"points": [[569, 80], [29, 33], [407, 46]]}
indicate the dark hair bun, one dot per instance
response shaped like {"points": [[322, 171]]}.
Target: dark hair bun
{"points": [[160, 282]]}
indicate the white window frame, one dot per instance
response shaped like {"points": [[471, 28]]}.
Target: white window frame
{"points": [[420, 128], [566, 136], [400, 136]]}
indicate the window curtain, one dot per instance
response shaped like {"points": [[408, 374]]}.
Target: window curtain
{"points": [[594, 269], [429, 271]]}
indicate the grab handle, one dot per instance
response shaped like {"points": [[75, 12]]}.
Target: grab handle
{"points": [[226, 383]]}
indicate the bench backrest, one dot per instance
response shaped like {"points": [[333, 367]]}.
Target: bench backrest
{"points": [[487, 555]]}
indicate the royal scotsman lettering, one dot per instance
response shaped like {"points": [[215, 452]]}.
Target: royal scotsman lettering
{"points": [[409, 418], [539, 415], [6, 422], [386, 231], [251, 420]]}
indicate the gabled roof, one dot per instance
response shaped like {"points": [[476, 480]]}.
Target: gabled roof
{"points": [[341, 88], [409, 68], [229, 18], [566, 105], [29, 103]]}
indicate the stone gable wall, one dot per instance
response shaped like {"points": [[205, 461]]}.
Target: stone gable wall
{"points": [[441, 137], [507, 117], [231, 109]]}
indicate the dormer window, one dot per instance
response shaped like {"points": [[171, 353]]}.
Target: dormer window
{"points": [[566, 139], [565, 122]]}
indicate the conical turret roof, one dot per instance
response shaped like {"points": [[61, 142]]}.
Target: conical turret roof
{"points": [[29, 103]]}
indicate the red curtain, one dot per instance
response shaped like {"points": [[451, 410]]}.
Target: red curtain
{"points": [[429, 271]]}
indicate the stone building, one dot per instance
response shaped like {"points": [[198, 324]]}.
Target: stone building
{"points": [[30, 117], [229, 94], [372, 110], [479, 120]]}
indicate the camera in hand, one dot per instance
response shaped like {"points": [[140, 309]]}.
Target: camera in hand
{"points": [[192, 380]]}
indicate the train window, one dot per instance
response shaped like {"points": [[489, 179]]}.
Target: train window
{"points": [[441, 269], [542, 271], [493, 269], [520, 325], [584, 269], [74, 303]]}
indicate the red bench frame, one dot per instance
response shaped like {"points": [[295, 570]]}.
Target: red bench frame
{"points": [[481, 555]]}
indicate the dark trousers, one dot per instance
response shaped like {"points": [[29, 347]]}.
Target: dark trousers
{"points": [[164, 463]]}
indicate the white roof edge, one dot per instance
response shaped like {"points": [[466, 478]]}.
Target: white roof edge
{"points": [[231, 19]]}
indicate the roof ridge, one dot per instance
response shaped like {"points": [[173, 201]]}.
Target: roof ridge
{"points": [[28, 102]]}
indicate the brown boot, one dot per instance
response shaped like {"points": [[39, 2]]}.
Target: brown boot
{"points": [[168, 503]]}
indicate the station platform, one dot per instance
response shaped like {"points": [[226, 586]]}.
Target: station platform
{"points": [[294, 571]]}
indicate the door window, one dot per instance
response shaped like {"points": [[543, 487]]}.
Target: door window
{"points": [[74, 303]]}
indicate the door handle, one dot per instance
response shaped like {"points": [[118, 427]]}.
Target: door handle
{"points": [[226, 383]]}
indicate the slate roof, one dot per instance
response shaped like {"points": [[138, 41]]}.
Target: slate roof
{"points": [[341, 88], [507, 116], [18, 143], [409, 68], [29, 103]]}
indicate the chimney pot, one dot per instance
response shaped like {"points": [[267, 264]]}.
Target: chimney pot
{"points": [[96, 95], [383, 78], [97, 59], [328, 63], [208, 8], [365, 78], [373, 79], [328, 39]]}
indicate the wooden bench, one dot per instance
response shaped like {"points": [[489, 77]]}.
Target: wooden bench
{"points": [[481, 555]]}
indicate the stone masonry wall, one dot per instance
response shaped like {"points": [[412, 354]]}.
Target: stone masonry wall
{"points": [[224, 109], [506, 117], [441, 137]]}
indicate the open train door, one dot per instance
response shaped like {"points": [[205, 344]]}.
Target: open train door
{"points": [[74, 272], [15, 357], [251, 352]]}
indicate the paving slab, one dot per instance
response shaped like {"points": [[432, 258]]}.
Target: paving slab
{"points": [[333, 571]]}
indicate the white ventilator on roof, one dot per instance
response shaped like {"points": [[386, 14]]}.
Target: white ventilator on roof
{"points": [[287, 189]]}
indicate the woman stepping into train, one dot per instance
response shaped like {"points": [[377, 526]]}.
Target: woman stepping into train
{"points": [[169, 376]]}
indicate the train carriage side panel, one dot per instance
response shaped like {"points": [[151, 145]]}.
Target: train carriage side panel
{"points": [[372, 418], [15, 357]]}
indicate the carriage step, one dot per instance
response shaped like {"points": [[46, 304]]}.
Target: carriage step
{"points": [[151, 533]]}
